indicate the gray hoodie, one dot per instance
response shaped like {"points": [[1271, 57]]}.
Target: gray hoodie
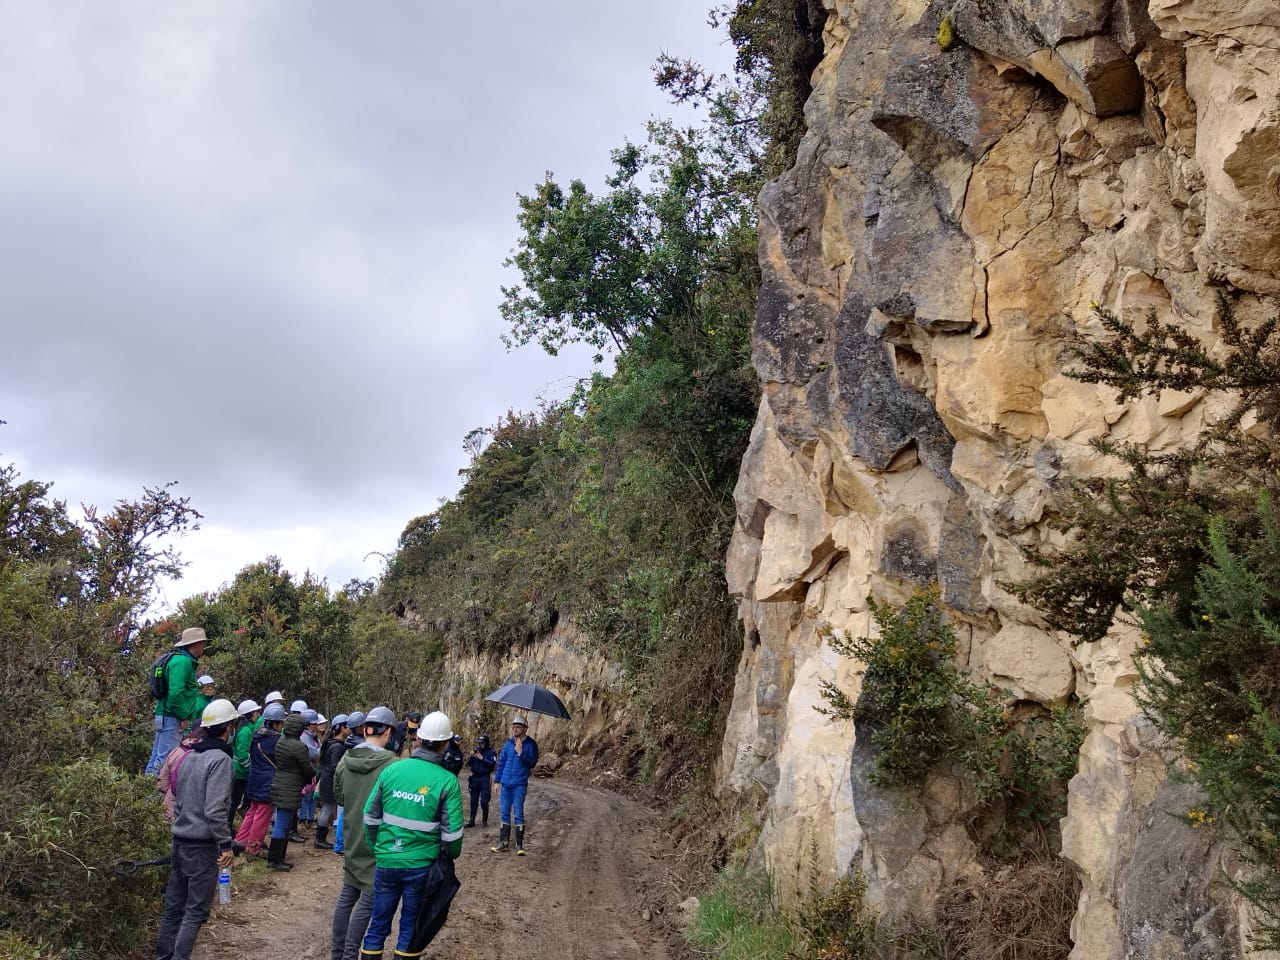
{"points": [[203, 797]]}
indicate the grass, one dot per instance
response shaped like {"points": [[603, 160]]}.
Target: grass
{"points": [[737, 920]]}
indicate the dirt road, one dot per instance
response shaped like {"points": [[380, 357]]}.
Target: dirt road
{"points": [[593, 873]]}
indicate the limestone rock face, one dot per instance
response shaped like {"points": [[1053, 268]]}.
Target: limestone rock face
{"points": [[950, 218], [591, 687]]}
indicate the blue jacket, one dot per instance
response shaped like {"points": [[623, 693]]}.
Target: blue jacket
{"points": [[482, 766], [513, 768], [262, 764]]}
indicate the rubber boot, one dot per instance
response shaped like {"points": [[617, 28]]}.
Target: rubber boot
{"points": [[504, 839], [520, 840], [275, 855], [370, 954], [322, 842]]}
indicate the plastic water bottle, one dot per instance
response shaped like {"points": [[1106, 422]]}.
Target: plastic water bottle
{"points": [[224, 885]]}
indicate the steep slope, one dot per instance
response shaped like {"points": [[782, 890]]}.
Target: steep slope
{"points": [[950, 219]]}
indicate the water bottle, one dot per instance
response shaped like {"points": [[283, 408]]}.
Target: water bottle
{"points": [[224, 885]]}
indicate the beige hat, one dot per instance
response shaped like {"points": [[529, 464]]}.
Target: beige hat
{"points": [[192, 635]]}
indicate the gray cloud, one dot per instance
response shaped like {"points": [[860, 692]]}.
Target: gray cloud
{"points": [[257, 247]]}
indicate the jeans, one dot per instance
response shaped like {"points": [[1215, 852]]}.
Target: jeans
{"points": [[280, 825], [392, 885], [193, 877], [307, 812], [324, 818], [166, 739], [511, 803], [350, 921]]}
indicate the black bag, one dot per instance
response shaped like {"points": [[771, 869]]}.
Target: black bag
{"points": [[442, 886], [160, 676]]}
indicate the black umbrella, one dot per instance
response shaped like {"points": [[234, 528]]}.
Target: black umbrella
{"points": [[530, 697]]}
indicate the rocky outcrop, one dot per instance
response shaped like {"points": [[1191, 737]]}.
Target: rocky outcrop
{"points": [[950, 219], [591, 687]]}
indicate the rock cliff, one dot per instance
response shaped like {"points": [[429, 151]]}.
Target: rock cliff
{"points": [[950, 219]]}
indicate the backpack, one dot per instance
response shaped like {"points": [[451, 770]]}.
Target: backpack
{"points": [[160, 676]]}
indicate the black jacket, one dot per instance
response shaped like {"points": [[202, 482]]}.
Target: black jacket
{"points": [[330, 754]]}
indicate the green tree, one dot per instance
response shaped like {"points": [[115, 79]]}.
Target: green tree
{"points": [[73, 669]]}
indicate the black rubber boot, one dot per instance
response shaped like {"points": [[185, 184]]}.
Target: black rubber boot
{"points": [[504, 839], [275, 855], [322, 839], [520, 840]]}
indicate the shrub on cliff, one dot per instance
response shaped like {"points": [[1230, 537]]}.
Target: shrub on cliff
{"points": [[921, 713], [1187, 544]]}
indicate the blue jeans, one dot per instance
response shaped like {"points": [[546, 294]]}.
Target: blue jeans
{"points": [[308, 809], [166, 739], [280, 825], [392, 885], [511, 803]]}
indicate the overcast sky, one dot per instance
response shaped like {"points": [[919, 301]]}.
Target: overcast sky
{"points": [[255, 246]]}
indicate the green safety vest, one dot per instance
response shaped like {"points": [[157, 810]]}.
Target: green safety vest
{"points": [[403, 818]]}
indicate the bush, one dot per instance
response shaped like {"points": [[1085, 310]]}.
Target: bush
{"points": [[1210, 682], [56, 859], [921, 713], [75, 687]]}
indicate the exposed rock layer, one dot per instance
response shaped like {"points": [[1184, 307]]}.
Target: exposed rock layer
{"points": [[950, 219]]}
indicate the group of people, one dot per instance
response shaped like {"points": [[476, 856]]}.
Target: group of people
{"points": [[397, 781]]}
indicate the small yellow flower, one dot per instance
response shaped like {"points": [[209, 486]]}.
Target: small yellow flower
{"points": [[1206, 618], [1233, 737]]}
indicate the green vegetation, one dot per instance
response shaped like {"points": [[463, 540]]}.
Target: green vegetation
{"points": [[76, 712], [614, 507], [268, 631], [1186, 544], [738, 919], [922, 714]]}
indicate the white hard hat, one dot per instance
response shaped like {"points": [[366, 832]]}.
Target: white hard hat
{"points": [[218, 711], [321, 718], [275, 696], [519, 720], [298, 706], [205, 680], [435, 726], [247, 707]]}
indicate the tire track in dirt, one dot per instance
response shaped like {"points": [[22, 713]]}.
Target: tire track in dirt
{"points": [[594, 863]]}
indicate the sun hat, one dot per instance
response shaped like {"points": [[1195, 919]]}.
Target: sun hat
{"points": [[192, 635]]}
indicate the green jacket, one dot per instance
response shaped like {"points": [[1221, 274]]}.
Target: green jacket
{"points": [[352, 783], [402, 817], [244, 737], [293, 766], [183, 700]]}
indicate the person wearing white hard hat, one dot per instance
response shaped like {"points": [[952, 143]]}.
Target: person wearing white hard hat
{"points": [[518, 756], [250, 719], [173, 684], [275, 696], [298, 706], [201, 842], [207, 687], [413, 815]]}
